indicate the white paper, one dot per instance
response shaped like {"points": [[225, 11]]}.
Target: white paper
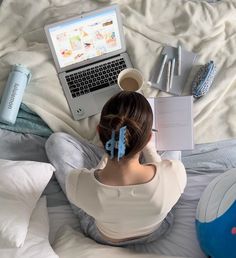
{"points": [[173, 121]]}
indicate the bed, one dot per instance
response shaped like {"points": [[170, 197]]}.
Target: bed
{"points": [[203, 164], [207, 29]]}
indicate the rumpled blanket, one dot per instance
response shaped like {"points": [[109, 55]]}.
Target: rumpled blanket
{"points": [[206, 29], [28, 122]]}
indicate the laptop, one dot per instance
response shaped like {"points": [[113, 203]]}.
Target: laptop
{"points": [[89, 52]]}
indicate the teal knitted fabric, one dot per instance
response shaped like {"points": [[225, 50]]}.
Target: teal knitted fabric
{"points": [[28, 122]]}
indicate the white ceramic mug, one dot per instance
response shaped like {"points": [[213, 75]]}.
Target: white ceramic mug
{"points": [[130, 79]]}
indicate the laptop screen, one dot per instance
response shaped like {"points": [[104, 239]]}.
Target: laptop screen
{"points": [[80, 39]]}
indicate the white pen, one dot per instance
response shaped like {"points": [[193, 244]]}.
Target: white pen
{"points": [[161, 68], [168, 76], [172, 72], [179, 59]]}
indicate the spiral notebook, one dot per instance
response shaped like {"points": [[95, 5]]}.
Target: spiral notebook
{"points": [[172, 122]]}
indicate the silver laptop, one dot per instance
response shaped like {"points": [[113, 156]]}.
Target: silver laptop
{"points": [[89, 53]]}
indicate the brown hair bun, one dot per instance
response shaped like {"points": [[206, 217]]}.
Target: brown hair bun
{"points": [[129, 109]]}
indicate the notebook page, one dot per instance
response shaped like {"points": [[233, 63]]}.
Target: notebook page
{"points": [[174, 123]]}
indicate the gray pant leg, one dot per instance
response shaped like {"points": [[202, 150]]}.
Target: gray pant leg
{"points": [[67, 153]]}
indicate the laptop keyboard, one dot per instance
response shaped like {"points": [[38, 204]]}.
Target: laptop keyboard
{"points": [[95, 78]]}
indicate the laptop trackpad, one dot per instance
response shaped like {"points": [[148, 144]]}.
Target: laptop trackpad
{"points": [[85, 106], [102, 97], [91, 104]]}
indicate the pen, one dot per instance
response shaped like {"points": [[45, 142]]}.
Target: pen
{"points": [[179, 59], [168, 76], [172, 72], [161, 68]]}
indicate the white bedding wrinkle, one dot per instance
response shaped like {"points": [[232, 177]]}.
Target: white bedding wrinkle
{"points": [[207, 29]]}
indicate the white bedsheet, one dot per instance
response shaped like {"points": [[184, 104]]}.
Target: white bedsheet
{"points": [[206, 29], [60, 216]]}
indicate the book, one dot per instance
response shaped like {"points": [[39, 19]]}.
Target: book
{"points": [[172, 122]]}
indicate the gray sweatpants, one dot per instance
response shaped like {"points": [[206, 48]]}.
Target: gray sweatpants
{"points": [[66, 153]]}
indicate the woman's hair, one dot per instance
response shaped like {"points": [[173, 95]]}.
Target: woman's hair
{"points": [[132, 110]]}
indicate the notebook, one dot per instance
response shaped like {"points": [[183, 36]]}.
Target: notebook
{"points": [[89, 52], [179, 81], [172, 122]]}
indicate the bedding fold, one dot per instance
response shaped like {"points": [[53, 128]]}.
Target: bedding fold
{"points": [[28, 122]]}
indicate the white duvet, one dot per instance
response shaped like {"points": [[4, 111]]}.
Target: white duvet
{"points": [[207, 29]]}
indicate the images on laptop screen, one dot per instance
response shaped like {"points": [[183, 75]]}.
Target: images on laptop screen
{"points": [[84, 38]]}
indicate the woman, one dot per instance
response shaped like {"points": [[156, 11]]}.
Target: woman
{"points": [[120, 200]]}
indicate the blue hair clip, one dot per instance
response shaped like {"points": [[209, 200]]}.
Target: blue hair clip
{"points": [[120, 145], [110, 144]]}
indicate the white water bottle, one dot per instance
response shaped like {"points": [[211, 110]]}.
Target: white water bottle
{"points": [[13, 92]]}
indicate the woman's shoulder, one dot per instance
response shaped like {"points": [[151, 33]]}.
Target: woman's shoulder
{"points": [[174, 171]]}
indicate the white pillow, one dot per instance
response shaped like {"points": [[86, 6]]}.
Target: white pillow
{"points": [[36, 243], [70, 244], [21, 185]]}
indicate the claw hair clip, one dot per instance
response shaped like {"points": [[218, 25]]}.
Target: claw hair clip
{"points": [[120, 144], [110, 144]]}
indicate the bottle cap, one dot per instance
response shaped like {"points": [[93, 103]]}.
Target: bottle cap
{"points": [[21, 68]]}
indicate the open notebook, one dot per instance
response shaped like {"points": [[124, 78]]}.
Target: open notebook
{"points": [[173, 121]]}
